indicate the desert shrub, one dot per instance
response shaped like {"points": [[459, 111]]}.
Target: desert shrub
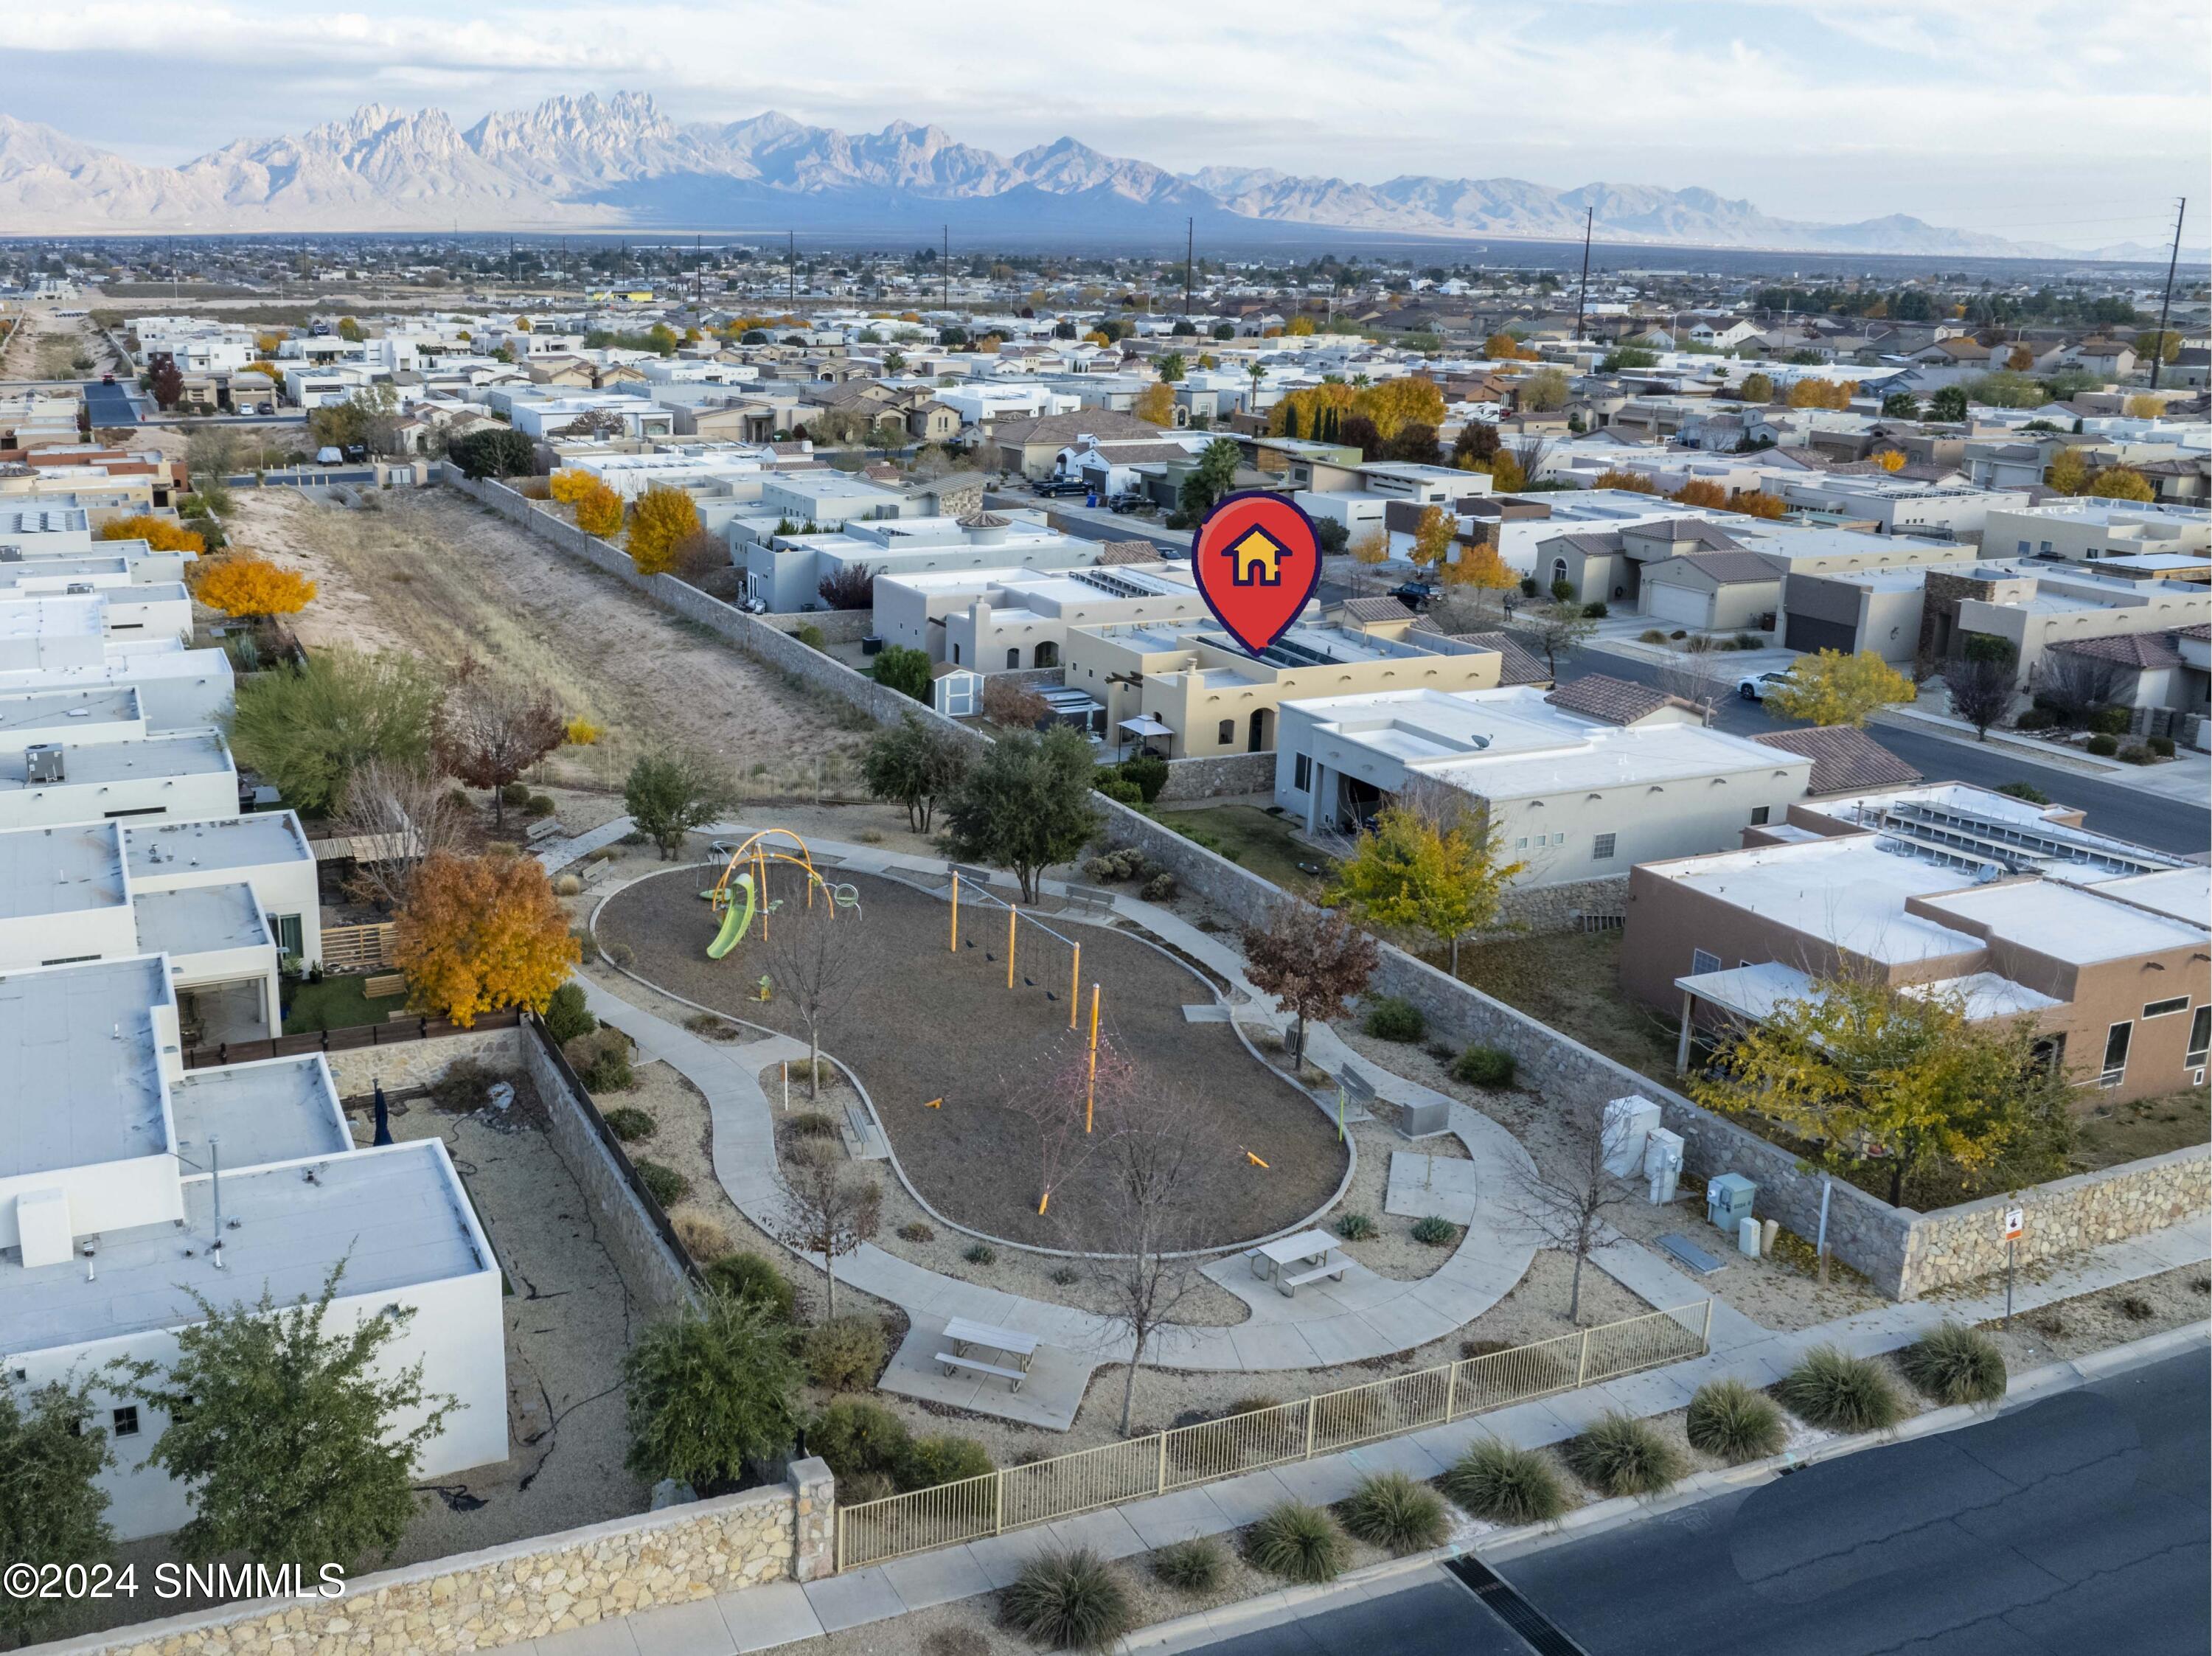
{"points": [[1954, 1364], [1390, 1509], [1595, 611], [1296, 1542], [1121, 790], [751, 1276], [856, 1437], [566, 1016], [1621, 1455], [2035, 718], [1431, 1232], [668, 1186], [1839, 1392], [2027, 791], [810, 635], [629, 1125], [514, 793], [812, 1124], [863, 1487], [1150, 773], [1392, 1019], [979, 1253], [1065, 1276], [2104, 746], [707, 1027], [844, 1354], [1189, 1566], [601, 1060], [1652, 635], [567, 885], [703, 1238], [2136, 754], [1503, 1484], [2109, 721], [1159, 889], [464, 1084], [1069, 1600], [2135, 1308], [1355, 1227], [1729, 1419], [539, 805], [942, 1458], [2160, 745], [915, 1231], [1123, 863], [1484, 1066]]}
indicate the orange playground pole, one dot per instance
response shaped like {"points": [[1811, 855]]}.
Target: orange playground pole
{"points": [[1074, 983], [955, 944], [1091, 1083], [1012, 914]]}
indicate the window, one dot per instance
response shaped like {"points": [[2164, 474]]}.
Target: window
{"points": [[1048, 654], [955, 655], [2200, 1037], [1601, 848], [1701, 962], [2159, 1008], [1301, 774], [288, 938], [2116, 1054], [2046, 546], [1014, 659], [1759, 815], [1228, 733], [1521, 844], [2024, 548], [125, 1421]]}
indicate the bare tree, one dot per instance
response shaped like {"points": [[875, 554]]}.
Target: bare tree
{"points": [[1556, 628], [817, 960], [491, 730], [1981, 692], [828, 1209], [2075, 686], [396, 815], [1154, 1180], [1567, 1204]]}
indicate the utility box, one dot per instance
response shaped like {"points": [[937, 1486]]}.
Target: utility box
{"points": [[1425, 1118], [1662, 1164], [1728, 1201], [1628, 1123], [42, 763]]}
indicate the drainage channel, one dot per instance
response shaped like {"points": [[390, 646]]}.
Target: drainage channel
{"points": [[1536, 1630]]}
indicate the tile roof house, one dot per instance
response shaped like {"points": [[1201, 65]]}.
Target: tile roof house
{"points": [[1845, 759], [1611, 701]]}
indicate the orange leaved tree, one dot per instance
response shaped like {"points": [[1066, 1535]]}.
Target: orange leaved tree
{"points": [[598, 511], [162, 534], [1699, 491], [661, 518], [248, 586], [478, 933]]}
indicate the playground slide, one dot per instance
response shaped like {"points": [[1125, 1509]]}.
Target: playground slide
{"points": [[735, 920]]}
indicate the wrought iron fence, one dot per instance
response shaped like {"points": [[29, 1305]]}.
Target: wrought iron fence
{"points": [[1086, 1479]]}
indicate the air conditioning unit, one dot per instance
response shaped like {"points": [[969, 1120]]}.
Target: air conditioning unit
{"points": [[76, 587], [42, 763], [2196, 1078], [11, 554]]}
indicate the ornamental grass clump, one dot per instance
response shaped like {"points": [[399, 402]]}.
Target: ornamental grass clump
{"points": [[1617, 1455], [1296, 1542], [1839, 1393], [1069, 1600], [1390, 1509], [1727, 1418], [1953, 1364], [1503, 1484]]}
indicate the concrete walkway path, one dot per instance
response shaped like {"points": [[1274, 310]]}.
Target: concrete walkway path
{"points": [[562, 853], [788, 1611]]}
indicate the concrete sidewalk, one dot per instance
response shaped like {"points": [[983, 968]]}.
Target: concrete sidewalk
{"points": [[923, 1580]]}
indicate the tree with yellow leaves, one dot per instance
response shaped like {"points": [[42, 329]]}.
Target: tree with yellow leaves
{"points": [[599, 511], [1156, 403], [160, 534], [2069, 471], [1433, 538], [570, 484], [2121, 483], [1411, 399], [1429, 867], [1757, 503], [1699, 491], [661, 518], [1838, 687], [2144, 406], [248, 586], [1505, 473], [1889, 459], [1480, 568], [479, 933], [1502, 347], [1300, 327], [1634, 482], [1819, 394]]}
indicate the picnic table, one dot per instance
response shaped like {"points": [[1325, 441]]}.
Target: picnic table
{"points": [[1292, 1260], [966, 1337]]}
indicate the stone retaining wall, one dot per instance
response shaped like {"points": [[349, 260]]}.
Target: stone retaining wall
{"points": [[1223, 776], [1561, 908], [836, 625], [526, 1590], [406, 1064]]}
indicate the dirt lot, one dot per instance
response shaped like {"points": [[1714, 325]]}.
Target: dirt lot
{"points": [[434, 573], [912, 1035]]}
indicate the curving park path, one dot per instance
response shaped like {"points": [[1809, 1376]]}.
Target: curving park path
{"points": [[1365, 1317]]}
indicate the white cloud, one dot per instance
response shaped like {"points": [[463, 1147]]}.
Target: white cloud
{"points": [[1814, 108]]}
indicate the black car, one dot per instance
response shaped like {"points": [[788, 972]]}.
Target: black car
{"points": [[1414, 594]]}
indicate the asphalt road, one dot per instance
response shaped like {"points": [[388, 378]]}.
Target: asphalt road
{"points": [[2078, 1524], [2148, 819]]}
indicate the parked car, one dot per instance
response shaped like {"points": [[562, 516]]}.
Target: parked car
{"points": [[1414, 594], [106, 379], [327, 456], [1753, 687], [1121, 504]]}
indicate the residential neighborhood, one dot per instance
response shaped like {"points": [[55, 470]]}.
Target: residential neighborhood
{"points": [[767, 888]]}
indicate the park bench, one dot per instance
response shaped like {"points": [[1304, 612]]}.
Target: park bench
{"points": [[972, 875], [1085, 899], [589, 871], [1290, 1285], [1013, 1377], [384, 986], [545, 829]]}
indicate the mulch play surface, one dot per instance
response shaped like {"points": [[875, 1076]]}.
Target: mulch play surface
{"points": [[928, 1024]]}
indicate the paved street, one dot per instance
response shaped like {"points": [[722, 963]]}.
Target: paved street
{"points": [[2076, 1524], [2148, 819]]}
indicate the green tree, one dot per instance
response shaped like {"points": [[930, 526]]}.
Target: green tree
{"points": [[494, 451], [288, 1434], [1900, 405], [306, 729], [1428, 867], [904, 670], [915, 764], [1838, 687], [1870, 1071], [708, 1390], [52, 1510], [350, 331], [670, 791], [1025, 806], [1171, 366], [1210, 479], [1948, 405], [1544, 392], [1758, 389]]}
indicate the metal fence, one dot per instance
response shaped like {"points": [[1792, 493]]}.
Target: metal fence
{"points": [[1113, 1472]]}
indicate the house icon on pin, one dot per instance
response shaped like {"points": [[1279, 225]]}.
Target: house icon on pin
{"points": [[1258, 557]]}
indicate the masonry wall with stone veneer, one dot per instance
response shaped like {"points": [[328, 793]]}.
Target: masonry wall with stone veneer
{"points": [[505, 1595]]}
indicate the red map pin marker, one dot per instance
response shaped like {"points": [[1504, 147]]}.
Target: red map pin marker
{"points": [[1258, 562]]}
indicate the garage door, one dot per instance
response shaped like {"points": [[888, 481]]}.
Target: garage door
{"points": [[1684, 606]]}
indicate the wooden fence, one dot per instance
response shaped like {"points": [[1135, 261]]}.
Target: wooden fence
{"points": [[357, 947], [388, 1034]]}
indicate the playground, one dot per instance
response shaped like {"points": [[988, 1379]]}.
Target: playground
{"points": [[952, 1056]]}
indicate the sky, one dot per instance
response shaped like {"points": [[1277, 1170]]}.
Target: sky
{"points": [[2047, 120]]}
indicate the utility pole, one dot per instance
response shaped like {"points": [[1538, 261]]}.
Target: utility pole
{"points": [[2165, 305], [944, 271], [698, 256], [791, 271], [1189, 243], [1582, 297]]}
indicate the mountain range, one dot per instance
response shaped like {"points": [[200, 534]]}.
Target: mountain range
{"points": [[585, 164]]}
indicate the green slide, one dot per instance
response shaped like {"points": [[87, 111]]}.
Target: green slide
{"points": [[735, 920]]}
